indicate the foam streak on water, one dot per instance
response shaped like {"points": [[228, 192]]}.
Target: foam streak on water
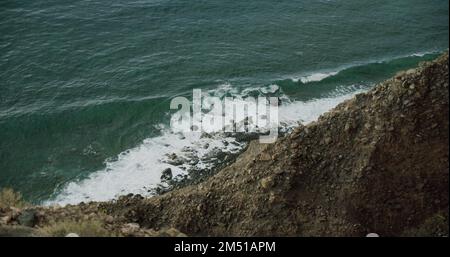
{"points": [[315, 77]]}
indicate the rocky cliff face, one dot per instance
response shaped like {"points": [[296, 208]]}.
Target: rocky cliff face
{"points": [[376, 163]]}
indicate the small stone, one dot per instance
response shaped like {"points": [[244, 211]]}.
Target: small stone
{"points": [[347, 127], [265, 156], [72, 235], [272, 198], [372, 235], [267, 182], [28, 218], [410, 71], [5, 220], [15, 212], [109, 219], [130, 229], [172, 232], [166, 174], [175, 160]]}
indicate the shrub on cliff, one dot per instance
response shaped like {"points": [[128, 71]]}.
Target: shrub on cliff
{"points": [[10, 198], [88, 228]]}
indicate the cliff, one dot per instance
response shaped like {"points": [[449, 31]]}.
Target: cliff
{"points": [[375, 163]]}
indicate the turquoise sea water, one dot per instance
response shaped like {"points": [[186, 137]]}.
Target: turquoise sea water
{"points": [[85, 86]]}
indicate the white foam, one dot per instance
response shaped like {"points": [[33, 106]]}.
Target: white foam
{"points": [[319, 76], [139, 169], [315, 77], [308, 111], [421, 54]]}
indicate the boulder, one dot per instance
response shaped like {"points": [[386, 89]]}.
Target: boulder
{"points": [[28, 218], [166, 174]]}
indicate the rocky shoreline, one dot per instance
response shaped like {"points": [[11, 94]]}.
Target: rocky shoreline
{"points": [[377, 163]]}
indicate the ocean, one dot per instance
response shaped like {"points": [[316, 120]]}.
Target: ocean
{"points": [[85, 86]]}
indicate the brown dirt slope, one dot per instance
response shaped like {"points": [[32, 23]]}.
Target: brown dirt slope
{"points": [[376, 163]]}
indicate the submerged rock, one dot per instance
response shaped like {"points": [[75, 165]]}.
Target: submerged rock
{"points": [[175, 160], [166, 174]]}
